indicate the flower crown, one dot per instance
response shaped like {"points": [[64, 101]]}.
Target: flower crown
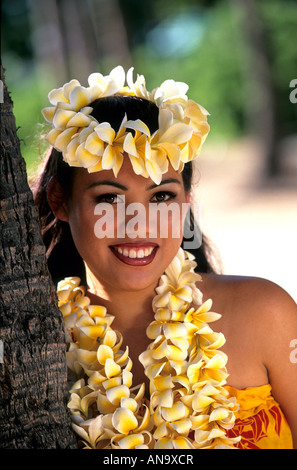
{"points": [[84, 142]]}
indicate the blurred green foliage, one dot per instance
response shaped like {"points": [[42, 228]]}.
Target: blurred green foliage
{"points": [[212, 61], [216, 69], [30, 127], [211, 69]]}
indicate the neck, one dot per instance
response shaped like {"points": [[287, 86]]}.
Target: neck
{"points": [[132, 310]]}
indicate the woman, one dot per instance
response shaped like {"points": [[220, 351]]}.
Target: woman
{"points": [[126, 149]]}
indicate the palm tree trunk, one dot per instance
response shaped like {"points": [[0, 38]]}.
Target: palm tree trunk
{"points": [[33, 393]]}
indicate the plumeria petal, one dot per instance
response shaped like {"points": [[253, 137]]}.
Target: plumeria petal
{"points": [[154, 172], [130, 145], [104, 352], [79, 97], [124, 420], [138, 125], [85, 158], [130, 442], [138, 165], [108, 158], [216, 362], [48, 113], [62, 94], [64, 138], [129, 403], [61, 118], [115, 394], [79, 120], [105, 132], [175, 413], [111, 368]]}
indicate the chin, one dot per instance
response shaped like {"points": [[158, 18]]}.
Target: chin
{"points": [[137, 281]]}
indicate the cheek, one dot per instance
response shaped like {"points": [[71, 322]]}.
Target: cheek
{"points": [[82, 221], [167, 221], [176, 222], [106, 221]]}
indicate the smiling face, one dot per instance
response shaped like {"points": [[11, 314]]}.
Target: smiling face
{"points": [[130, 253]]}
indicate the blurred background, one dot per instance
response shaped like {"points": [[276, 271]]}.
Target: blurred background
{"points": [[239, 58]]}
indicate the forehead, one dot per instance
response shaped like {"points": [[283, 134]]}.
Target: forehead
{"points": [[126, 176]]}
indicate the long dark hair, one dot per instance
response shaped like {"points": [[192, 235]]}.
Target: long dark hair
{"points": [[62, 255]]}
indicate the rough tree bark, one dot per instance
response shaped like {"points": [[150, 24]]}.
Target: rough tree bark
{"points": [[33, 391]]}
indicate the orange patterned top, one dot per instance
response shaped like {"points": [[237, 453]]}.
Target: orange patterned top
{"points": [[259, 421]]}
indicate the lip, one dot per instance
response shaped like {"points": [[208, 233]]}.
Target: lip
{"points": [[135, 246]]}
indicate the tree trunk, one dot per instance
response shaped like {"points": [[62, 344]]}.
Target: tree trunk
{"points": [[260, 103], [72, 38], [33, 378]]}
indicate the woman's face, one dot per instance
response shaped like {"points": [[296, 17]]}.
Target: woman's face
{"points": [[116, 226]]}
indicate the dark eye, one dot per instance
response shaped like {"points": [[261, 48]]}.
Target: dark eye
{"points": [[110, 198], [163, 196]]}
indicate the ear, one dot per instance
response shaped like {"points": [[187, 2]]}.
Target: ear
{"points": [[57, 200]]}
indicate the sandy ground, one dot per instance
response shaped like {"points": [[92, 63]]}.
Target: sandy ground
{"points": [[253, 223]]}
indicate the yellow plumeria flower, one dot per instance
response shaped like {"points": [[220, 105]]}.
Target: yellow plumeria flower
{"points": [[202, 315], [107, 85], [112, 156], [177, 286], [196, 117], [150, 154], [71, 110], [169, 91], [138, 87]]}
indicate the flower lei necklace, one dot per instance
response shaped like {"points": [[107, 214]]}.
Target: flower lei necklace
{"points": [[189, 408]]}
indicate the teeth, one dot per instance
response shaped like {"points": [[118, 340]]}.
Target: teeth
{"points": [[142, 253]]}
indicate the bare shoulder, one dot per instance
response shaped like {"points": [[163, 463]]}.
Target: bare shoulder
{"points": [[252, 294], [259, 321]]}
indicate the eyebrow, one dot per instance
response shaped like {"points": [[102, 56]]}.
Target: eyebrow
{"points": [[124, 188], [168, 180], [109, 183]]}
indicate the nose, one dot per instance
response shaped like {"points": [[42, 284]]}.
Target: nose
{"points": [[153, 221], [137, 221]]}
